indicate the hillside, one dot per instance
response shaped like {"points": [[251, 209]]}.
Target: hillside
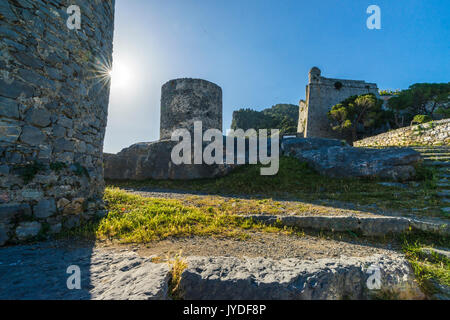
{"points": [[280, 116]]}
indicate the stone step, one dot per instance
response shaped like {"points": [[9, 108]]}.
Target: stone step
{"points": [[446, 210], [433, 151], [445, 200], [443, 184], [431, 147], [231, 278], [442, 253], [434, 158], [367, 225]]}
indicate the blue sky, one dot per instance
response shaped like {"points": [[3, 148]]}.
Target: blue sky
{"points": [[260, 52]]}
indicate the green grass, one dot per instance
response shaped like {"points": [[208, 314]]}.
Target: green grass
{"points": [[296, 180], [135, 219], [427, 268]]}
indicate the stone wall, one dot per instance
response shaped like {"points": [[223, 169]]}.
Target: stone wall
{"points": [[54, 91], [184, 101], [431, 133], [323, 93]]}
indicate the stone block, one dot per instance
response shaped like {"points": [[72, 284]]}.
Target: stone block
{"points": [[27, 230], [44, 208]]}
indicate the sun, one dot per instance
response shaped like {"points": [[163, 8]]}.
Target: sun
{"points": [[121, 75]]}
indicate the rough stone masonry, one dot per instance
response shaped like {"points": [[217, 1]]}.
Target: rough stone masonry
{"points": [[321, 94], [184, 101], [54, 93]]}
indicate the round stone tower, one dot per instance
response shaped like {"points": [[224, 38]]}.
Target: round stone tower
{"points": [[54, 91], [184, 101]]}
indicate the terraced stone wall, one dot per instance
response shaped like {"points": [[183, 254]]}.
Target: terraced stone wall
{"points": [[431, 133]]}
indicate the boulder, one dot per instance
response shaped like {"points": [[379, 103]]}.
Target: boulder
{"points": [[229, 278], [152, 160], [335, 158]]}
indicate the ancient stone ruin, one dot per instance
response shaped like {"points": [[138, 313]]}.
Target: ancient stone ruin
{"points": [[183, 102], [54, 93], [321, 94]]}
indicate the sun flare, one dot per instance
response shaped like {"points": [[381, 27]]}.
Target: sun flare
{"points": [[121, 75]]}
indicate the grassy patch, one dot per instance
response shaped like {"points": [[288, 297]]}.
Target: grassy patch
{"points": [[427, 269], [135, 219], [178, 266], [297, 180]]}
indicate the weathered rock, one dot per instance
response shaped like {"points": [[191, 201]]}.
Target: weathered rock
{"points": [[62, 203], [38, 117], [152, 160], [184, 101], [12, 211], [76, 206], [366, 225], [105, 274], [336, 159], [45, 208], [32, 136], [27, 230], [9, 108], [442, 253], [9, 131], [229, 278]]}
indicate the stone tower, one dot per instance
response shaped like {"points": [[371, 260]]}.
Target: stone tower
{"points": [[321, 94], [54, 91], [184, 101]]}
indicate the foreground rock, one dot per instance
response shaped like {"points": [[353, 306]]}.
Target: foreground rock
{"points": [[265, 279], [40, 272], [334, 158]]}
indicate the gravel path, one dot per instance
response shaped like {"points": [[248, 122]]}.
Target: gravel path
{"points": [[267, 245]]}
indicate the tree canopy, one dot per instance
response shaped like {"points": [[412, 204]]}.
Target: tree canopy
{"points": [[281, 116], [419, 99], [357, 111]]}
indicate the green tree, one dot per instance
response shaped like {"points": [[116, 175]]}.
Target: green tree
{"points": [[364, 110], [419, 99], [281, 116]]}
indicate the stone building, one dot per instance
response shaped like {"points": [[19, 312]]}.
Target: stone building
{"points": [[184, 101], [54, 91], [321, 94]]}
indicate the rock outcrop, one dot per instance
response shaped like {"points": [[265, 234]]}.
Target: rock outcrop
{"points": [[124, 275], [152, 160], [228, 278], [335, 158]]}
